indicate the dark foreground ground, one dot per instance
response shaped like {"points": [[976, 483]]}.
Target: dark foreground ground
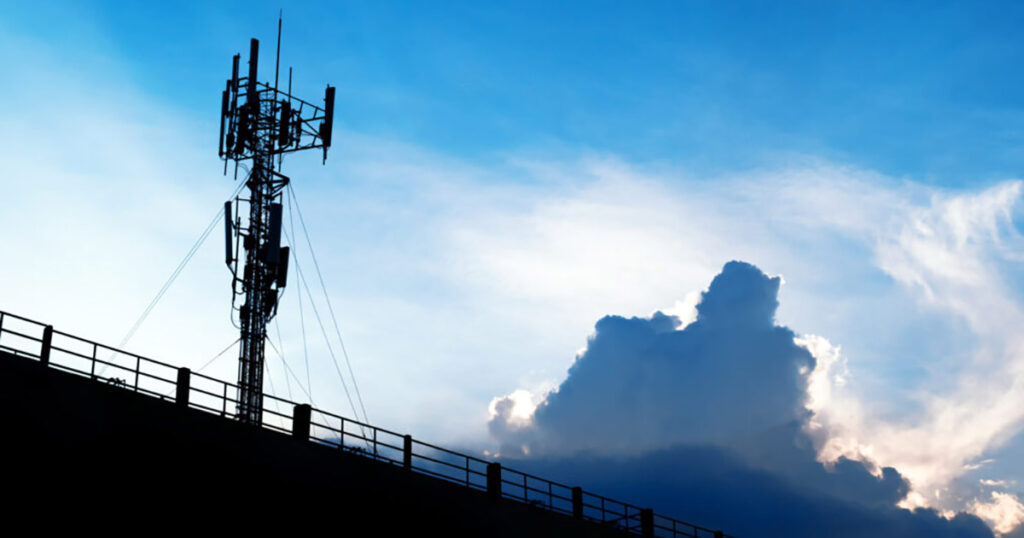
{"points": [[79, 455]]}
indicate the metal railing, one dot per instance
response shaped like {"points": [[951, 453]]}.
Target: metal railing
{"points": [[36, 341]]}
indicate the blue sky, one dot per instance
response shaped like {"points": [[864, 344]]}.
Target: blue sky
{"points": [[910, 90], [504, 177]]}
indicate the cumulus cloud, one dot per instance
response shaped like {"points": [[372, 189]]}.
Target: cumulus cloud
{"points": [[730, 373], [718, 405]]}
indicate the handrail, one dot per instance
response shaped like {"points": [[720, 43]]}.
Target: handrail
{"points": [[461, 470]]}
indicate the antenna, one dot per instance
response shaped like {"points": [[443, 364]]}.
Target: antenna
{"points": [[229, 255], [277, 62], [259, 124], [327, 125]]}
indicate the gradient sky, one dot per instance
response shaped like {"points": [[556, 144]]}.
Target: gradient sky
{"points": [[504, 177]]}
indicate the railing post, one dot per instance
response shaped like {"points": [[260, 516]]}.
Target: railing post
{"points": [[183, 386], [647, 523], [407, 452], [494, 480], [44, 352], [577, 502], [300, 421]]}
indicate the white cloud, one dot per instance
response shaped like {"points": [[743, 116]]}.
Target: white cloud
{"points": [[685, 310], [953, 252], [1004, 512], [521, 403]]}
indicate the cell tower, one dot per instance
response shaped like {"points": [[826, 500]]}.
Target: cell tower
{"points": [[259, 122]]}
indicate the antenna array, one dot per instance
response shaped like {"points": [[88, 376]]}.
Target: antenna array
{"points": [[260, 123]]}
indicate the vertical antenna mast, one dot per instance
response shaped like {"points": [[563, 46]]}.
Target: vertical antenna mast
{"points": [[258, 123]]}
